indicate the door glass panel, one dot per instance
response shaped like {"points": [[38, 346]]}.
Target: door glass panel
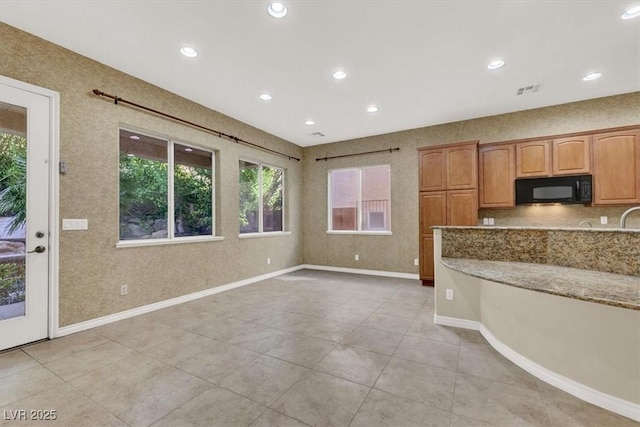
{"points": [[13, 196]]}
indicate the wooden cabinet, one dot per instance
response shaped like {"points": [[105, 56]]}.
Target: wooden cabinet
{"points": [[433, 170], [450, 167], [462, 166], [448, 194], [496, 166], [616, 168], [562, 156], [426, 258], [533, 159], [462, 207], [571, 156], [433, 210]]}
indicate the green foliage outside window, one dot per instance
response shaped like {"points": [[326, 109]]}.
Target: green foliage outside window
{"points": [[13, 179], [251, 193], [143, 195]]}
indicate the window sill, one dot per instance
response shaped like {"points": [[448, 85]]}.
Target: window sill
{"points": [[160, 242], [268, 234], [366, 233]]}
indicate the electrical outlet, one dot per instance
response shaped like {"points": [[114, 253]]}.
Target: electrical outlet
{"points": [[492, 221], [124, 289], [485, 221], [416, 261], [449, 294], [357, 257], [604, 220], [268, 260]]}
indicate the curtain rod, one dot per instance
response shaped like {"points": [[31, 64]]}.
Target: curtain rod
{"points": [[388, 150], [235, 139]]}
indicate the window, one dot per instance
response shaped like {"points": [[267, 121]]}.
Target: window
{"points": [[166, 189], [261, 198], [360, 199]]}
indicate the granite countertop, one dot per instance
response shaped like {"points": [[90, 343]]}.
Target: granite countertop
{"points": [[498, 227], [604, 288]]}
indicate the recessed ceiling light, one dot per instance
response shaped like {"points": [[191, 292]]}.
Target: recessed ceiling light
{"points": [[372, 109], [339, 75], [495, 64], [592, 76], [134, 137], [188, 51], [309, 123], [631, 13], [266, 97], [277, 9], [188, 149]]}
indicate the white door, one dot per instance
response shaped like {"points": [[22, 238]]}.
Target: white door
{"points": [[24, 214]]}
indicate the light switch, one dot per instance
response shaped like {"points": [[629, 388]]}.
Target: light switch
{"points": [[75, 224]]}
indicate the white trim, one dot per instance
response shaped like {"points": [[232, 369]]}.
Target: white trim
{"points": [[363, 271], [614, 404], [167, 241], [264, 234], [54, 213], [364, 232], [54, 195], [579, 390], [457, 323], [104, 320]]}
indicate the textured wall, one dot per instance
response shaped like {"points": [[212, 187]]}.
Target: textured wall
{"points": [[91, 268], [396, 252]]}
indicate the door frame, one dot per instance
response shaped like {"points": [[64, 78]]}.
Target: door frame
{"points": [[54, 196]]}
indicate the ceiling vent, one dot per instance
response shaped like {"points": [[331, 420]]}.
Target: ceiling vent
{"points": [[528, 89], [316, 134]]}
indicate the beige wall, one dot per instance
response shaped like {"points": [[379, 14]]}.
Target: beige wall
{"points": [[397, 252], [91, 268], [593, 344]]}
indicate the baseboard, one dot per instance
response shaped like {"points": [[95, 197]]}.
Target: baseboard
{"points": [[579, 390], [104, 320], [457, 323], [363, 271]]}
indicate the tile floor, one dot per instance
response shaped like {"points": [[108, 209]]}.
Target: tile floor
{"points": [[307, 348]]}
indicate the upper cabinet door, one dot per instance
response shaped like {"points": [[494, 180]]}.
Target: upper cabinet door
{"points": [[462, 172], [533, 159], [433, 172], [572, 155], [497, 176], [616, 168]]}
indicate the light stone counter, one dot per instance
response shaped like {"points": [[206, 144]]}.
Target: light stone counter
{"points": [[603, 288], [606, 250]]}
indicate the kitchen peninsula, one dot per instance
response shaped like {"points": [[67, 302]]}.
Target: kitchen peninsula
{"points": [[562, 303]]}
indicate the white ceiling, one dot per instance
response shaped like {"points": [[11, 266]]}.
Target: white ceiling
{"points": [[422, 62]]}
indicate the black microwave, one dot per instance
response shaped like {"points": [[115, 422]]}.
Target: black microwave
{"points": [[556, 189]]}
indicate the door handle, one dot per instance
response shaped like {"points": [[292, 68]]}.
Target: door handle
{"points": [[38, 250]]}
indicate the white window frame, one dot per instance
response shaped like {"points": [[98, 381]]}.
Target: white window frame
{"points": [[171, 238], [261, 232], [358, 204]]}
